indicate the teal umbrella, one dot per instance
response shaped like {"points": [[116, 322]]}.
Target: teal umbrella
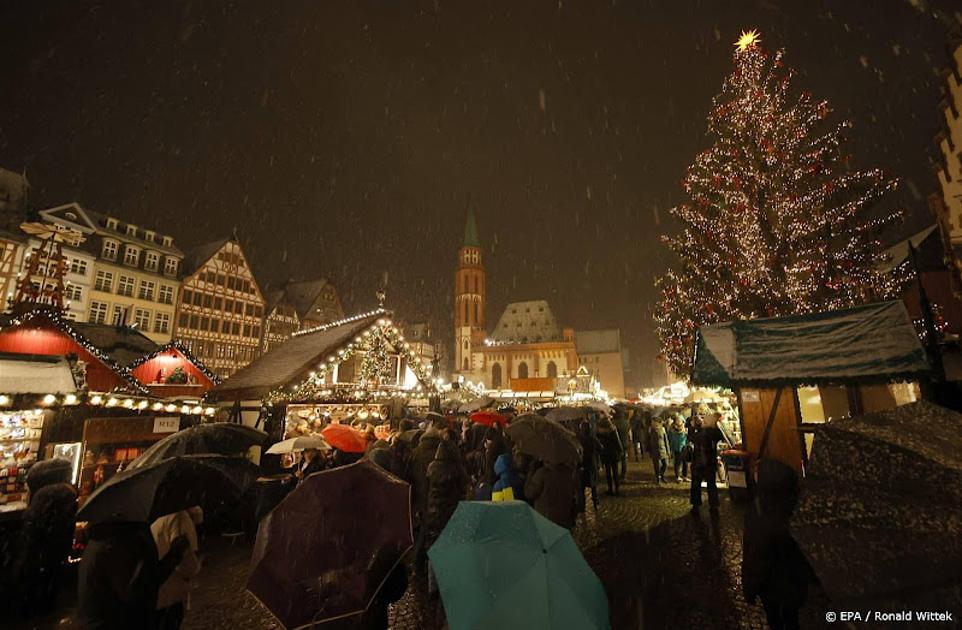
{"points": [[502, 565]]}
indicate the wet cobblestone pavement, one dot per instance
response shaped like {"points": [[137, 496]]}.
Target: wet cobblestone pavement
{"points": [[661, 566]]}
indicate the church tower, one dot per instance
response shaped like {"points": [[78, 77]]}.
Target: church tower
{"points": [[469, 291]]}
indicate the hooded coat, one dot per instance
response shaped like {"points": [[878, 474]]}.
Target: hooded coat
{"points": [[447, 482], [421, 459], [554, 489], [658, 444]]}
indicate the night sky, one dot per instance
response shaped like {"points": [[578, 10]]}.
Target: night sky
{"points": [[346, 138]]}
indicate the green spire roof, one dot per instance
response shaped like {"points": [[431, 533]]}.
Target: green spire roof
{"points": [[471, 230]]}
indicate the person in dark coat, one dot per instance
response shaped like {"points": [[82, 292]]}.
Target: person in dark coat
{"points": [[494, 447], [553, 488], [659, 448], [590, 449], [773, 567], [45, 537], [421, 458], [313, 461], [623, 427], [639, 432], [704, 436], [120, 575], [447, 483], [611, 451]]}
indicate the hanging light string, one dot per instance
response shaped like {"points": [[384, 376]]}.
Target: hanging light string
{"points": [[775, 223]]}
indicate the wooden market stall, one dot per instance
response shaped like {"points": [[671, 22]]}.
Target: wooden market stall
{"points": [[792, 373]]}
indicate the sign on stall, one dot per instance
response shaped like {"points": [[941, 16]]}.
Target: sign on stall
{"points": [[167, 425]]}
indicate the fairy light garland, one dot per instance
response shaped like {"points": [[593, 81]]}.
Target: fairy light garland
{"points": [[773, 225], [316, 388], [175, 345]]}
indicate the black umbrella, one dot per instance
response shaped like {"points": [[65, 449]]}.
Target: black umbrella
{"points": [[221, 438], [880, 515], [146, 493], [544, 439]]}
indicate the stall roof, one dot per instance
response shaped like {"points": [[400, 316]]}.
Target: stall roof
{"points": [[874, 342], [291, 360], [35, 374]]}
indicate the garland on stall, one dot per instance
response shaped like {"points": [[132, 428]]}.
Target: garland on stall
{"points": [[378, 339], [175, 345]]}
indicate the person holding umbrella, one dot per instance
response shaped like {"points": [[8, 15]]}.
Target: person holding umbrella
{"points": [[553, 488], [611, 451], [173, 594], [590, 448]]}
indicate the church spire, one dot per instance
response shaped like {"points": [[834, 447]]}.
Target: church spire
{"points": [[471, 230]]}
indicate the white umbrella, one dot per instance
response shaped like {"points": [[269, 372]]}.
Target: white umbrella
{"points": [[599, 406], [299, 444]]}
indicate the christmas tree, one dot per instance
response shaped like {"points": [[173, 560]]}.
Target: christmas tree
{"points": [[775, 223]]}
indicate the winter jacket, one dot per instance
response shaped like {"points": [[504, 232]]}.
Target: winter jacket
{"points": [[422, 457], [44, 541], [119, 577], [611, 447], [553, 488], [677, 439], [164, 530], [446, 487], [658, 442], [507, 477], [622, 426], [705, 442]]}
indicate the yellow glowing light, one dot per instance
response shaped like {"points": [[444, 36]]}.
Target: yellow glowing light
{"points": [[49, 399], [748, 39]]}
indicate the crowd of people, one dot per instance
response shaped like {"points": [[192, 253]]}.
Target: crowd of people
{"points": [[134, 571]]}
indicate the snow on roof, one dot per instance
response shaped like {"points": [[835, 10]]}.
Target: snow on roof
{"points": [[291, 361], [598, 341], [866, 343], [35, 374]]}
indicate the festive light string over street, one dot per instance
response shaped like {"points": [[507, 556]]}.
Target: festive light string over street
{"points": [[774, 222]]}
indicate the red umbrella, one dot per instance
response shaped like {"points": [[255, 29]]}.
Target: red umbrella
{"points": [[489, 418], [344, 438]]}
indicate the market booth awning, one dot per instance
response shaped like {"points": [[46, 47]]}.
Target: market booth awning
{"points": [[875, 342], [292, 361], [765, 360], [35, 374]]}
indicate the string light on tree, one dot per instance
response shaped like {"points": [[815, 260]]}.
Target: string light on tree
{"points": [[775, 218]]}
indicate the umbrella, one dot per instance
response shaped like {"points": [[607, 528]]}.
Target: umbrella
{"points": [[145, 493], [597, 405], [299, 443], [503, 565], [489, 418], [880, 515], [344, 438], [545, 439], [477, 404], [566, 414], [325, 550], [221, 438]]}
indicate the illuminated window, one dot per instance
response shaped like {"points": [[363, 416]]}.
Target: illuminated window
{"points": [[110, 250], [151, 261]]}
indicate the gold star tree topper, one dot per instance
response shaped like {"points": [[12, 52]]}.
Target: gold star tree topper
{"points": [[748, 39]]}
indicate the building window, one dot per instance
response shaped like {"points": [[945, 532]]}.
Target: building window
{"points": [[168, 241], [119, 316], [198, 298], [186, 296], [78, 266], [235, 328], [205, 323], [148, 235], [146, 290], [166, 295], [239, 308], [247, 330], [151, 261], [125, 286], [104, 281], [183, 321], [496, 376], [208, 301], [162, 323], [132, 230], [73, 292], [552, 370], [98, 312], [522, 370], [142, 319], [111, 224], [110, 250], [257, 332], [194, 322], [170, 264], [131, 256]]}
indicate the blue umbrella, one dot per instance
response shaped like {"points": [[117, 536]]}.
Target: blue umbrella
{"points": [[502, 565]]}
